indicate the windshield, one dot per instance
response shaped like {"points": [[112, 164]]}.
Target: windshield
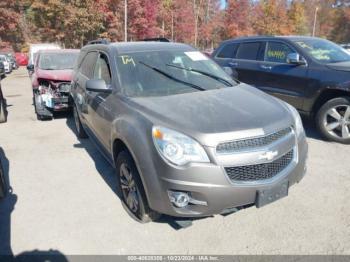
{"points": [[57, 61], [161, 73], [324, 51], [2, 59]]}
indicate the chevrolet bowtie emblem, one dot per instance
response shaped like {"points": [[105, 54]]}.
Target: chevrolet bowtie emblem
{"points": [[269, 155]]}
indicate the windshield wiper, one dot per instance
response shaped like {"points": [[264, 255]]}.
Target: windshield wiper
{"points": [[172, 77], [221, 80]]}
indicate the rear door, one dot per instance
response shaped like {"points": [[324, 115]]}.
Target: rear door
{"points": [[246, 62], [225, 54], [285, 81]]}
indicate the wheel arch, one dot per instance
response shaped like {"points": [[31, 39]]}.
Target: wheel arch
{"points": [[119, 145], [327, 95]]}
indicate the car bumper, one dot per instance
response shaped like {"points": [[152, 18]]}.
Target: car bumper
{"points": [[209, 184]]}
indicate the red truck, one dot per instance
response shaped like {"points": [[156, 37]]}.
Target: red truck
{"points": [[51, 78], [21, 59]]}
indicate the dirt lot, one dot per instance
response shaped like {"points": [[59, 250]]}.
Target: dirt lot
{"points": [[64, 199]]}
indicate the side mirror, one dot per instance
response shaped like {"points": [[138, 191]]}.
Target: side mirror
{"points": [[30, 67], [97, 85], [295, 59]]}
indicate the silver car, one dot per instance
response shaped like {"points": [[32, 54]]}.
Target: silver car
{"points": [[185, 138]]}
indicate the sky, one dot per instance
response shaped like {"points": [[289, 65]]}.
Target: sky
{"points": [[223, 3]]}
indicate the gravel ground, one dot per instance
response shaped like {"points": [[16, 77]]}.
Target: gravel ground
{"points": [[63, 199]]}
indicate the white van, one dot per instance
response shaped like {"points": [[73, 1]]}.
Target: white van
{"points": [[34, 48]]}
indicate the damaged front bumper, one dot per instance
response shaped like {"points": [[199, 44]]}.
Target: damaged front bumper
{"points": [[53, 98]]}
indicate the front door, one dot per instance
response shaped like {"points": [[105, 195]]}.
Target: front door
{"points": [[285, 81], [103, 116]]}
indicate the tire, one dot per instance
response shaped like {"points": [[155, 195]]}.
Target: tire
{"points": [[78, 126], [333, 120], [43, 118], [3, 112], [132, 191]]}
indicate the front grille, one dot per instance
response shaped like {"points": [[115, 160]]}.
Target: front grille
{"points": [[239, 145], [260, 171]]}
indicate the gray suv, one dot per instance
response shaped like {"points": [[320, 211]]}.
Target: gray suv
{"points": [[185, 138]]}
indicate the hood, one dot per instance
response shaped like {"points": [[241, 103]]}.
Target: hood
{"points": [[237, 112], [342, 66], [60, 75]]}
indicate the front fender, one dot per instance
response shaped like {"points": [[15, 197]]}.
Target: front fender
{"points": [[323, 91], [136, 134]]}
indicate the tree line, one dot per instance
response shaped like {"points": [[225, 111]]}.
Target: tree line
{"points": [[202, 23]]}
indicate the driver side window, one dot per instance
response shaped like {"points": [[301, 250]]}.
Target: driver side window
{"points": [[102, 69]]}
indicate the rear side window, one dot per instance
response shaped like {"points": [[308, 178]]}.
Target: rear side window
{"points": [[248, 51], [87, 66], [277, 52], [102, 70], [227, 51]]}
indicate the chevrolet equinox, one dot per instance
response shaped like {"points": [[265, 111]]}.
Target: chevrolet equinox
{"points": [[185, 139]]}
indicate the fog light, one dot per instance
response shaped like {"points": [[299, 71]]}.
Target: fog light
{"points": [[179, 199]]}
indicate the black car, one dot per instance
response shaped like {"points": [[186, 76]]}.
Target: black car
{"points": [[312, 74]]}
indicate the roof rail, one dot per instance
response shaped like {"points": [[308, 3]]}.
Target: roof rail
{"points": [[156, 39], [98, 42]]}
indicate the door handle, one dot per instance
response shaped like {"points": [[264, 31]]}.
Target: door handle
{"points": [[266, 67], [233, 64]]}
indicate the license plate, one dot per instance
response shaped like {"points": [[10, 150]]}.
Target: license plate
{"points": [[270, 195]]}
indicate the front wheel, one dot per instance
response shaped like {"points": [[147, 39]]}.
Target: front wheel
{"points": [[333, 120], [130, 186]]}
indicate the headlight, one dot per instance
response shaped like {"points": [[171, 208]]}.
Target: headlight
{"points": [[297, 120], [177, 148]]}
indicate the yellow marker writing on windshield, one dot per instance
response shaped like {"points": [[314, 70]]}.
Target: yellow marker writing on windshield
{"points": [[127, 60]]}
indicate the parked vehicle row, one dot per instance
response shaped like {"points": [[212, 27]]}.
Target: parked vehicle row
{"points": [[7, 63], [312, 74]]}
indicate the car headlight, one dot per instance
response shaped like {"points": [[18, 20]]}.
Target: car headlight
{"points": [[178, 148], [297, 120]]}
